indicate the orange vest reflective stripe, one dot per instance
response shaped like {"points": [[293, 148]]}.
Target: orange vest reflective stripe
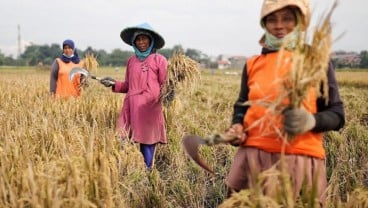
{"points": [[265, 73], [65, 87]]}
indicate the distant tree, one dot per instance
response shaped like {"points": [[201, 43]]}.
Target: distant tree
{"points": [[90, 50], [119, 57], [219, 57], [102, 57], [167, 52], [10, 61], [194, 54], [178, 48], [49, 53], [32, 55], [55, 50], [44, 54], [364, 59], [2, 57]]}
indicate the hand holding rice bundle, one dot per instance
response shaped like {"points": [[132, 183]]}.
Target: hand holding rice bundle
{"points": [[309, 69]]}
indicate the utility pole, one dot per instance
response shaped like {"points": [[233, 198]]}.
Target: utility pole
{"points": [[19, 42]]}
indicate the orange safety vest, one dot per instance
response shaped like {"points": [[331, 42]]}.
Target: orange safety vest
{"points": [[64, 87], [265, 73]]}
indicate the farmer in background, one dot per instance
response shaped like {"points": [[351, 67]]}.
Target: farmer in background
{"points": [[141, 117], [60, 85], [260, 147]]}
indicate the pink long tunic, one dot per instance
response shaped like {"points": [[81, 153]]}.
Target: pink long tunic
{"points": [[142, 116]]}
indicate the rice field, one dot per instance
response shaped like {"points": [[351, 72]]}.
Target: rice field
{"points": [[65, 153]]}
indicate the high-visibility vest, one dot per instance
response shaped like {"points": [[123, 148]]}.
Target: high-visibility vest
{"points": [[265, 74], [65, 87]]}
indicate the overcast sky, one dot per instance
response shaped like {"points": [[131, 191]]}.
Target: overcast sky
{"points": [[229, 27]]}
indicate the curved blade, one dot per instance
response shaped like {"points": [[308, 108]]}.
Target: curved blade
{"points": [[191, 145], [77, 70]]}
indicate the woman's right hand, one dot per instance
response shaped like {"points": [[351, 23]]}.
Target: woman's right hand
{"points": [[236, 131], [107, 81]]}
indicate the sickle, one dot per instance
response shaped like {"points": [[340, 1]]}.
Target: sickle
{"points": [[85, 72], [191, 146]]}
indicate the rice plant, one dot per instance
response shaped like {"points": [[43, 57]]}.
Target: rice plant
{"points": [[66, 153]]}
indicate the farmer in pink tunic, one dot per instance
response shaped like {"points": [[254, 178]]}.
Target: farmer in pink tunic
{"points": [[142, 117]]}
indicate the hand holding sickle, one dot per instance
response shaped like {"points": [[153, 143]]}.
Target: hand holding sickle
{"points": [[234, 136]]}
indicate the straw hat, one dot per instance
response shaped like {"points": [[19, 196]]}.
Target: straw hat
{"points": [[270, 6], [128, 33]]}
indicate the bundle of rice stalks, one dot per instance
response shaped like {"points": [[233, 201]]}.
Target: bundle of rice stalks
{"points": [[90, 63], [310, 63], [183, 72]]}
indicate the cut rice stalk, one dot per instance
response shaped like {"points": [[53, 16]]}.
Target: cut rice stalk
{"points": [[309, 64]]}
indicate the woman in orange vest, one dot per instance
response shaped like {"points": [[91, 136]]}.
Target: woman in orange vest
{"points": [[260, 147], [60, 85]]}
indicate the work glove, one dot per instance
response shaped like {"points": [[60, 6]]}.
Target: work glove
{"points": [[298, 121], [107, 81]]}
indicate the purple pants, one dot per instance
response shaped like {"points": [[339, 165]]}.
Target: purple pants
{"points": [[148, 152]]}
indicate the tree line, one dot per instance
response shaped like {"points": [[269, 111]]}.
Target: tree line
{"points": [[35, 55]]}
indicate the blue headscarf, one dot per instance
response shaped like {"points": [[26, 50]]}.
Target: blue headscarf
{"points": [[142, 54], [74, 57]]}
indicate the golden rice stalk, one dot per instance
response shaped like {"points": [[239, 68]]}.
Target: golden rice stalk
{"points": [[90, 63], [309, 66], [183, 72], [310, 63], [358, 198], [268, 191]]}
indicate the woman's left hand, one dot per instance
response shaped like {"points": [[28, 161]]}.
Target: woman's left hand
{"points": [[298, 121]]}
